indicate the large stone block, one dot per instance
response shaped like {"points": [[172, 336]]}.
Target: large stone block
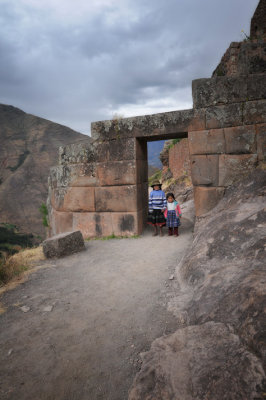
{"points": [[73, 175], [73, 199], [117, 173], [76, 153], [117, 149], [224, 116], [60, 222], [93, 224], [233, 167], [142, 171], [240, 139], [116, 198], [63, 244], [79, 199], [218, 90], [206, 198], [126, 224], [256, 86], [261, 141], [254, 112], [206, 142], [204, 170]]}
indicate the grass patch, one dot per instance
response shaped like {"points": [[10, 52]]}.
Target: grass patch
{"points": [[15, 265], [113, 236], [157, 176]]}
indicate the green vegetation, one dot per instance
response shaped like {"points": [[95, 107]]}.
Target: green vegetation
{"points": [[113, 236], [156, 176], [43, 210], [11, 241], [172, 143]]}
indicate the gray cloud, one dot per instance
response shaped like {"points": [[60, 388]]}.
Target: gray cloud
{"points": [[75, 63]]}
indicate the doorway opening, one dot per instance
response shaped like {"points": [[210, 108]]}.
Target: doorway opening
{"points": [[165, 159]]}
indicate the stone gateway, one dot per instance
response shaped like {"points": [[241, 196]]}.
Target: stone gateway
{"points": [[100, 185]]}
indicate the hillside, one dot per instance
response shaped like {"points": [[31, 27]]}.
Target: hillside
{"points": [[28, 148]]}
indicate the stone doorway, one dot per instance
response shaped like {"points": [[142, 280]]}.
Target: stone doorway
{"points": [[142, 172]]}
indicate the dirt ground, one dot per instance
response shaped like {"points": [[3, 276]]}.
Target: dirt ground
{"points": [[88, 316]]}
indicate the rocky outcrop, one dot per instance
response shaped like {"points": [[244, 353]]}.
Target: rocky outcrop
{"points": [[28, 148], [219, 349]]}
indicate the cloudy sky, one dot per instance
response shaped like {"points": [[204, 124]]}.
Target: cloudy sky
{"points": [[75, 62]]}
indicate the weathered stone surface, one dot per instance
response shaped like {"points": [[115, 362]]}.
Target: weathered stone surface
{"points": [[206, 198], [224, 116], [243, 58], [219, 90], [152, 126], [206, 142], [254, 112], [240, 139], [258, 21], [261, 141], [93, 224], [116, 198], [204, 170], [179, 160], [117, 149], [73, 175], [256, 86], [77, 153], [233, 167], [63, 244], [60, 222], [73, 199], [126, 224], [221, 295], [79, 199], [117, 173], [196, 363]]}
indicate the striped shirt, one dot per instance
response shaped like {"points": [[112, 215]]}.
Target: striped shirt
{"points": [[157, 200]]}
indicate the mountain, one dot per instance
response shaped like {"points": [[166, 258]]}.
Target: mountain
{"points": [[28, 148], [154, 149]]}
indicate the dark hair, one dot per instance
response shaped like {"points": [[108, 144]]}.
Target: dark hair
{"points": [[170, 195]]}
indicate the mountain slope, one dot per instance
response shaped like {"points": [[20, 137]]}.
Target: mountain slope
{"points": [[28, 148]]}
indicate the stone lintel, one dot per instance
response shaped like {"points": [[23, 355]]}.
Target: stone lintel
{"points": [[150, 126]]}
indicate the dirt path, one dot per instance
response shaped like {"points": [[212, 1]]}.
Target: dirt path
{"points": [[90, 316]]}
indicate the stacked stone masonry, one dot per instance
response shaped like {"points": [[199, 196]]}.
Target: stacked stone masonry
{"points": [[100, 187]]}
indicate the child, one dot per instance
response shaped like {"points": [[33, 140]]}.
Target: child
{"points": [[157, 205], [172, 215]]}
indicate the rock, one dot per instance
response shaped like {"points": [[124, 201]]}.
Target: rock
{"points": [[63, 244], [25, 309], [171, 277], [10, 352], [198, 362], [47, 309], [220, 353]]}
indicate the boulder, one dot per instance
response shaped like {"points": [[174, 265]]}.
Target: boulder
{"points": [[63, 244]]}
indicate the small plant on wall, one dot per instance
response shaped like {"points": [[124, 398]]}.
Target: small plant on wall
{"points": [[44, 212]]}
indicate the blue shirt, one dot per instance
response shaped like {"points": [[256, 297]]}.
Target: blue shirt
{"points": [[157, 200]]}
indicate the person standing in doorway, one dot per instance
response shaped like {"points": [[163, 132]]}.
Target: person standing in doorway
{"points": [[172, 215], [157, 206]]}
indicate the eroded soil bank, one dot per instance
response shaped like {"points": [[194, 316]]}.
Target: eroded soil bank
{"points": [[88, 316]]}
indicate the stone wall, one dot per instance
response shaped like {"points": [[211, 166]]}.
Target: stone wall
{"points": [[101, 188], [179, 159]]}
